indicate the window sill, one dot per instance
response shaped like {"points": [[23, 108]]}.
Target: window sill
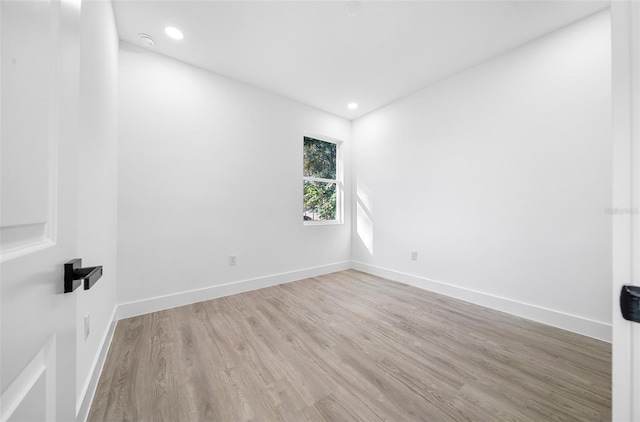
{"points": [[322, 223]]}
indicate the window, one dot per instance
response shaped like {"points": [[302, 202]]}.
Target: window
{"points": [[322, 187]]}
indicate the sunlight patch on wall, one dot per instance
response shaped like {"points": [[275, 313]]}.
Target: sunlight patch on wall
{"points": [[364, 218]]}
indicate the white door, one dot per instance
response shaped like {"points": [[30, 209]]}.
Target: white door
{"points": [[39, 100], [625, 25]]}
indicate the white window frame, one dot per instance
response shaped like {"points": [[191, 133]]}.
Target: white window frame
{"points": [[339, 181]]}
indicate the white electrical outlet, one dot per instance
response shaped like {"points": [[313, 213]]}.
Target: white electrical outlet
{"points": [[414, 255], [87, 326], [232, 260]]}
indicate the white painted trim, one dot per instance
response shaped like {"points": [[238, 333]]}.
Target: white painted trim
{"points": [[25, 250], [625, 29], [89, 390], [322, 222], [576, 324], [131, 309], [319, 179], [320, 137]]}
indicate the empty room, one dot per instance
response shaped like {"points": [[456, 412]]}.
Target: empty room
{"points": [[320, 210]]}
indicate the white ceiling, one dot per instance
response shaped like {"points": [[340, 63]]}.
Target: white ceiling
{"points": [[314, 53]]}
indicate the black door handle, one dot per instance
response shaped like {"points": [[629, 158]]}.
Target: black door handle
{"points": [[74, 274], [630, 303]]}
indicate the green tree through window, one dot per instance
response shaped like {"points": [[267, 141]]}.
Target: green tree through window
{"points": [[320, 180]]}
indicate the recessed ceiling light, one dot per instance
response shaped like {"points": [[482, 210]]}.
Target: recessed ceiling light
{"points": [[147, 39], [352, 106], [174, 33]]}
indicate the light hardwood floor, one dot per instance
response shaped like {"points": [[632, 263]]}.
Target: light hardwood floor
{"points": [[349, 346]]}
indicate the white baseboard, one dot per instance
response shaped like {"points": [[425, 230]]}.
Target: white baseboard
{"points": [[576, 324], [131, 309], [82, 412]]}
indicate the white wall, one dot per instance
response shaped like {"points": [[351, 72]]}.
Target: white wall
{"points": [[97, 188], [210, 167], [499, 177]]}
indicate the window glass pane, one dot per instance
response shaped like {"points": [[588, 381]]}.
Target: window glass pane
{"points": [[319, 159], [319, 201]]}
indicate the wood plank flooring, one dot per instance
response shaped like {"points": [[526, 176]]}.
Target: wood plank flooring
{"points": [[349, 346]]}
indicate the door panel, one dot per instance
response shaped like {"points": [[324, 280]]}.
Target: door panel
{"points": [[28, 45], [35, 385], [39, 100], [27, 67], [29, 411]]}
